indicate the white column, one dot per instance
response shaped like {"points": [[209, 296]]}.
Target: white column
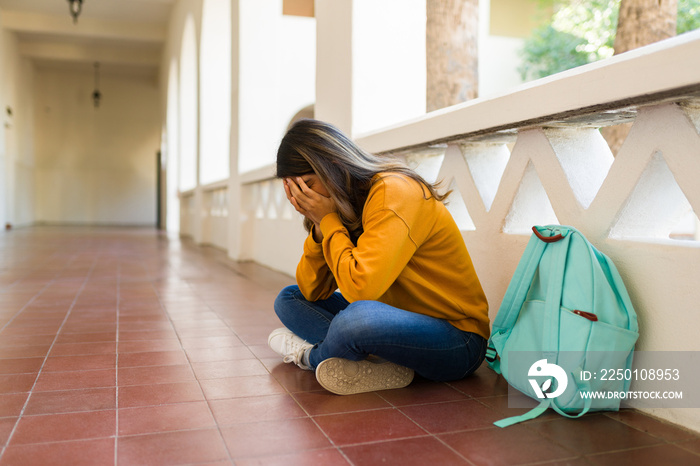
{"points": [[234, 197], [370, 68], [255, 119]]}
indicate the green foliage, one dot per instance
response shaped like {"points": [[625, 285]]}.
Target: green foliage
{"points": [[549, 51], [688, 16], [583, 31]]}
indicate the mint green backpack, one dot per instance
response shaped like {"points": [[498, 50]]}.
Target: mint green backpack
{"points": [[566, 328]]}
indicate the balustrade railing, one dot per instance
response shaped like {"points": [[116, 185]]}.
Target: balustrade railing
{"points": [[536, 156]]}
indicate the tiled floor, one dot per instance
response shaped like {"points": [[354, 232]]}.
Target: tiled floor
{"points": [[119, 346]]}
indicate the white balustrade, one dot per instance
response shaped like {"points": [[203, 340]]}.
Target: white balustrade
{"points": [[536, 156]]}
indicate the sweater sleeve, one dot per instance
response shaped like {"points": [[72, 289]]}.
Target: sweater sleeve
{"points": [[366, 271], [314, 278]]}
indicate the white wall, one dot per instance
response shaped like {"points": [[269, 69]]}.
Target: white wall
{"points": [[276, 77], [16, 135], [95, 166], [371, 62]]}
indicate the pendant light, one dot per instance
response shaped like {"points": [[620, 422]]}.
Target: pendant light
{"points": [[96, 94], [76, 7]]}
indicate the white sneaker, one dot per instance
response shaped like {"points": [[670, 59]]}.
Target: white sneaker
{"points": [[345, 377], [291, 347]]}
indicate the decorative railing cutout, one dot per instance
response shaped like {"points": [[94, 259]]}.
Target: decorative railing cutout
{"points": [[656, 207], [486, 162], [531, 205], [457, 207]]}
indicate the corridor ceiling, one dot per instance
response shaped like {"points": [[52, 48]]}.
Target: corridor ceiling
{"points": [[125, 36]]}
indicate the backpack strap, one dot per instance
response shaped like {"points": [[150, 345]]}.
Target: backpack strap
{"points": [[532, 414], [583, 386], [555, 286], [517, 290]]}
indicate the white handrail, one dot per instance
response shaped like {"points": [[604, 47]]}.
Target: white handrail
{"points": [[633, 78]]}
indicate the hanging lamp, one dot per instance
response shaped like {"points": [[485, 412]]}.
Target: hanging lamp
{"points": [[76, 7], [96, 94]]}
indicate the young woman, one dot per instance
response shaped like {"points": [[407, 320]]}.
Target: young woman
{"points": [[409, 298]]}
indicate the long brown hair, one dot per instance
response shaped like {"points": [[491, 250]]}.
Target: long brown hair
{"points": [[346, 170]]}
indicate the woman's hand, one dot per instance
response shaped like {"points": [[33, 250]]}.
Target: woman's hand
{"points": [[308, 202]]}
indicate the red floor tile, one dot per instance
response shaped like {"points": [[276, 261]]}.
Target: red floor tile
{"points": [[654, 427], [74, 453], [185, 447], [15, 341], [291, 377], [451, 416], [147, 335], [12, 404], [325, 457], [594, 434], [223, 369], [75, 363], [197, 384], [50, 381], [421, 392], [483, 382], [86, 337], [158, 394], [79, 349], [273, 437], [146, 346], [500, 404], [20, 331], [156, 358], [368, 426], [16, 383], [7, 424], [482, 446], [659, 454], [189, 333], [181, 416], [11, 352], [255, 409], [62, 427], [210, 342], [692, 446], [66, 401], [155, 375], [324, 402], [20, 365], [235, 387], [408, 452], [219, 354]]}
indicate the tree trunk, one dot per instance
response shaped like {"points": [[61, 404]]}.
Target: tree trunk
{"points": [[641, 22], [452, 33]]}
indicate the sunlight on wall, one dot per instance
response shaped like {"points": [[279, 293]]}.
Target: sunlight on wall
{"points": [[389, 68], [172, 150], [215, 91], [276, 73], [188, 107]]}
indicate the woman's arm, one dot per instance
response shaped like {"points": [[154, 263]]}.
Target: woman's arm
{"points": [[366, 271], [313, 276]]}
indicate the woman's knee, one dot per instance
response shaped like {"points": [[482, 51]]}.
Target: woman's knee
{"points": [[284, 299], [358, 319]]}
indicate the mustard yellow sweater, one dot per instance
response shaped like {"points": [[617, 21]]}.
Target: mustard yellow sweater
{"points": [[411, 256]]}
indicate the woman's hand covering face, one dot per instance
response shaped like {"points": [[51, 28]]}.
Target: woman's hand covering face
{"points": [[310, 200]]}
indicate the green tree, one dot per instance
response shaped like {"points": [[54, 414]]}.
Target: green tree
{"points": [[688, 16], [583, 31]]}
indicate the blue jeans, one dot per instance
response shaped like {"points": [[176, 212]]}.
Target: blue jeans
{"points": [[432, 347]]}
